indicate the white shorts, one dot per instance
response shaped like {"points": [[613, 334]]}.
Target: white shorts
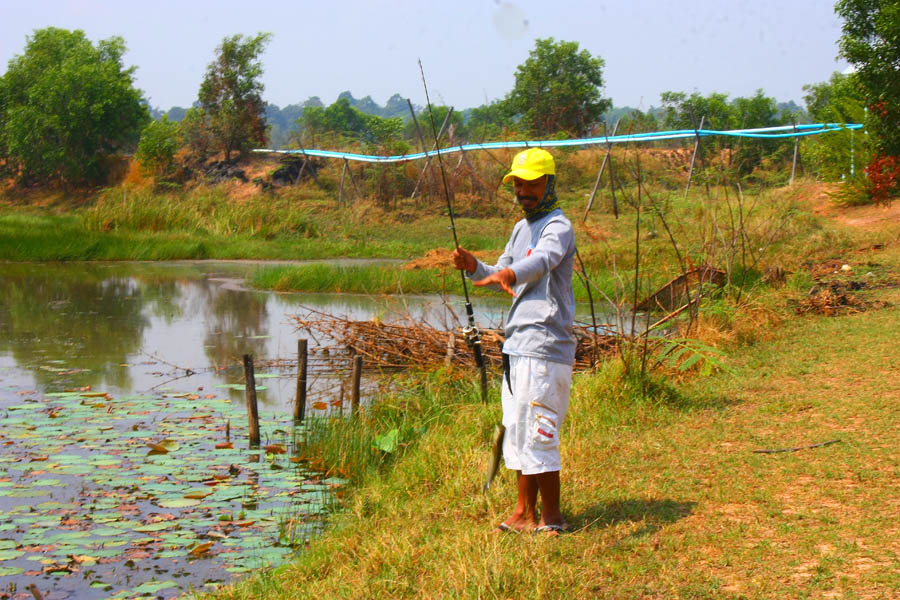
{"points": [[533, 413]]}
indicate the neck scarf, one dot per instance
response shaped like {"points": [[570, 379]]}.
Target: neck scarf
{"points": [[547, 204]]}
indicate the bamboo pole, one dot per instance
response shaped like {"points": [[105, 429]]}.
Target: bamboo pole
{"points": [[600, 174], [300, 172], [352, 180], [341, 193], [250, 395], [694, 157], [312, 171], [796, 148], [428, 156]]}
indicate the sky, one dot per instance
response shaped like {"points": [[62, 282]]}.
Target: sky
{"points": [[469, 48]]}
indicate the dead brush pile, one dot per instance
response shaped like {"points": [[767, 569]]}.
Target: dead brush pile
{"points": [[408, 343], [836, 298]]}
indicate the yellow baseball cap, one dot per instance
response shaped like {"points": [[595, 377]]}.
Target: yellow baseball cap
{"points": [[531, 164]]}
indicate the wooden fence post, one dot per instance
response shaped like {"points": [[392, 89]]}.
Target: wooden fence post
{"points": [[300, 400], [357, 375], [250, 394]]}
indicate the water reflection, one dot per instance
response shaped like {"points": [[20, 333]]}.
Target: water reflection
{"points": [[237, 322], [127, 327], [51, 316]]}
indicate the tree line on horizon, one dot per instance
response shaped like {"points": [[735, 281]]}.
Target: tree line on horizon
{"points": [[66, 104], [282, 122]]}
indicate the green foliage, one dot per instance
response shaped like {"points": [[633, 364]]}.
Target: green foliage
{"points": [[758, 110], [158, 145], [683, 354], [681, 111], [872, 44], [435, 115], [558, 89], [635, 121], [392, 426], [341, 120], [196, 135], [841, 154], [838, 100], [488, 122], [231, 95], [64, 103]]}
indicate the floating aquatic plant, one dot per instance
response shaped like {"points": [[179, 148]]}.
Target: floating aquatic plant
{"points": [[143, 495]]}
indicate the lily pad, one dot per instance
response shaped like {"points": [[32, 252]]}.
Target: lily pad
{"points": [[155, 526], [178, 503], [151, 587]]}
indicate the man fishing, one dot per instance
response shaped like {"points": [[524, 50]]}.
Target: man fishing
{"points": [[539, 351]]}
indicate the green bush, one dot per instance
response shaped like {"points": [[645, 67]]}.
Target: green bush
{"points": [[158, 145]]}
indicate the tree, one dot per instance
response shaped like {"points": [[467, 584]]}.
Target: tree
{"points": [[436, 115], [488, 121], [231, 95], [342, 119], [64, 104], [871, 42], [681, 111], [196, 134], [158, 145], [635, 121], [558, 89], [758, 111], [836, 155]]}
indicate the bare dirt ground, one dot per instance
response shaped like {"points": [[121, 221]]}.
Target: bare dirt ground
{"points": [[870, 218]]}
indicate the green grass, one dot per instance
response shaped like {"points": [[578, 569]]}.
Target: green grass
{"points": [[660, 480], [368, 279], [119, 224], [665, 492]]}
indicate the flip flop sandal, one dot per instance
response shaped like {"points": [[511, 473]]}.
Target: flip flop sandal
{"points": [[557, 529], [504, 528]]}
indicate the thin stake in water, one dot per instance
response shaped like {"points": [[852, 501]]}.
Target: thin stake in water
{"points": [[250, 394]]}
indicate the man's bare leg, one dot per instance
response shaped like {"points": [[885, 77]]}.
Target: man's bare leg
{"points": [[524, 515], [548, 485]]}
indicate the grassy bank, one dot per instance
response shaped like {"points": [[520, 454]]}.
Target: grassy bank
{"points": [[668, 497], [744, 231], [224, 222], [664, 489], [369, 279]]}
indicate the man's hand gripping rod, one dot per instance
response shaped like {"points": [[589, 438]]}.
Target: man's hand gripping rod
{"points": [[471, 333]]}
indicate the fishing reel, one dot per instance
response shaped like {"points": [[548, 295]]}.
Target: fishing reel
{"points": [[472, 336]]}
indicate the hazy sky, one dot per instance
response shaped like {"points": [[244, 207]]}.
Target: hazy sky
{"points": [[469, 48]]}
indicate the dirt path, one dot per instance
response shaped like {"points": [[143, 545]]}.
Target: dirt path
{"points": [[869, 218]]}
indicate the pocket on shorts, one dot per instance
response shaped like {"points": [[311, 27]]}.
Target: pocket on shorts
{"points": [[544, 430]]}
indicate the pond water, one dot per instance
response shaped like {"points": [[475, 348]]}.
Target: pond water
{"points": [[125, 471]]}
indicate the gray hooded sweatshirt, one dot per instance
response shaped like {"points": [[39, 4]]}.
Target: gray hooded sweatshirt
{"points": [[542, 255]]}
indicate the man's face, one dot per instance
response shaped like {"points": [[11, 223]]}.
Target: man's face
{"points": [[529, 193]]}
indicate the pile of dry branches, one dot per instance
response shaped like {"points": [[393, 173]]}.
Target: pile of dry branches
{"points": [[407, 343]]}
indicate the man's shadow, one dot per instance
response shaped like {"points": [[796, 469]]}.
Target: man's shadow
{"points": [[653, 513]]}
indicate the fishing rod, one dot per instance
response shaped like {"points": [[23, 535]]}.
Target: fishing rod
{"points": [[471, 333]]}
